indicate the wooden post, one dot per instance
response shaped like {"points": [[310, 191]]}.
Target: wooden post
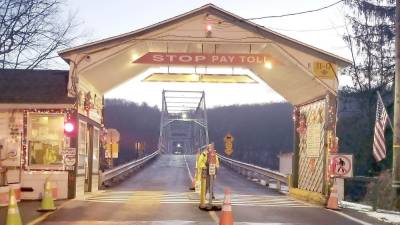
{"points": [[296, 140], [396, 122]]}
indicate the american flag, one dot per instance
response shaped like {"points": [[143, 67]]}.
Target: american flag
{"points": [[382, 118]]}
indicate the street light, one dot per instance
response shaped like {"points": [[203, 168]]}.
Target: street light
{"points": [[184, 116]]}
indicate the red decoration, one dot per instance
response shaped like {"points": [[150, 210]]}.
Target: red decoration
{"points": [[87, 103], [302, 125]]}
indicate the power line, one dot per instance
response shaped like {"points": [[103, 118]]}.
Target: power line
{"points": [[296, 13], [310, 30]]}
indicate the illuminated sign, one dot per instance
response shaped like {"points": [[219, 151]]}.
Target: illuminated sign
{"points": [[205, 59]]}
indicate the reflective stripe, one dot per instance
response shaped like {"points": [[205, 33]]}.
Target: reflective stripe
{"points": [[13, 210], [13, 201]]}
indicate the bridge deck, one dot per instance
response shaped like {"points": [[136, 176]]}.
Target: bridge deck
{"points": [[159, 193]]}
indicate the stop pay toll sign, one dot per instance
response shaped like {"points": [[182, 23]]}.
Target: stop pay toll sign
{"points": [[341, 165]]}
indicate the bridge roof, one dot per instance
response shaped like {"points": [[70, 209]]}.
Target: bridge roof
{"points": [[113, 57], [228, 16]]}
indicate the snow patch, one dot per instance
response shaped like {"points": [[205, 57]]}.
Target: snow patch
{"points": [[382, 215], [385, 217]]}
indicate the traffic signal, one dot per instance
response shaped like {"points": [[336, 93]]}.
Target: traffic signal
{"points": [[70, 128]]}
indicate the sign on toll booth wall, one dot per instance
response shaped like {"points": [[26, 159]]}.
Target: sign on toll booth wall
{"points": [[324, 70], [69, 158], [341, 165], [228, 140]]}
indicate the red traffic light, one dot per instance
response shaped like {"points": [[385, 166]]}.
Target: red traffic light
{"points": [[69, 128]]}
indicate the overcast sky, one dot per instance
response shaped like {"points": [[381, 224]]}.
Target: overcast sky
{"points": [[323, 29]]}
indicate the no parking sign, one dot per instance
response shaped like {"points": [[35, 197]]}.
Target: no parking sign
{"points": [[341, 165]]}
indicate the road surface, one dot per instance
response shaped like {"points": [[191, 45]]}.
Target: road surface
{"points": [[158, 194]]}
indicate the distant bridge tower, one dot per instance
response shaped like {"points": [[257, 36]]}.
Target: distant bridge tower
{"points": [[183, 127]]}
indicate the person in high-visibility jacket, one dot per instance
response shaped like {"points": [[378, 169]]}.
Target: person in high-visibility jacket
{"points": [[202, 160], [202, 168]]}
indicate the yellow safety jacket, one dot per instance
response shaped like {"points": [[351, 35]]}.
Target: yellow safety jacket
{"points": [[202, 161]]}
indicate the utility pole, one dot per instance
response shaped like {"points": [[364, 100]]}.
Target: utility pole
{"points": [[396, 122]]}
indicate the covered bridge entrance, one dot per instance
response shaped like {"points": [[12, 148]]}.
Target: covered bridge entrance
{"points": [[209, 37]]}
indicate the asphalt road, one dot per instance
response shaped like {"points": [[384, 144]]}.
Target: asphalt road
{"points": [[158, 194]]}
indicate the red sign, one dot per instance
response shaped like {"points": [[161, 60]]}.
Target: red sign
{"points": [[204, 59], [341, 165]]}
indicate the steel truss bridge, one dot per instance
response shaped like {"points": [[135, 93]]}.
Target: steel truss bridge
{"points": [[183, 127]]}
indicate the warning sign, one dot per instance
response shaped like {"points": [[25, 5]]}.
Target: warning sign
{"points": [[341, 165], [228, 140], [324, 70]]}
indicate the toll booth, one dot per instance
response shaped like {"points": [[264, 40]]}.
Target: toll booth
{"points": [[40, 132]]}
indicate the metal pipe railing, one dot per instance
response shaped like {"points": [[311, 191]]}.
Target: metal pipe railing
{"points": [[246, 168], [126, 168]]}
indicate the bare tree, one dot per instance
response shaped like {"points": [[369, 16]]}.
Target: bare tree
{"points": [[31, 31]]}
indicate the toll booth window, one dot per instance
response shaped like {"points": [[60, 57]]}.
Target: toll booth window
{"points": [[45, 139]]}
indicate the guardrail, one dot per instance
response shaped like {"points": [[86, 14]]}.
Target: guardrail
{"points": [[121, 171], [258, 172]]}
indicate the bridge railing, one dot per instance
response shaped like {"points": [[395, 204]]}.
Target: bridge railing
{"points": [[258, 172], [119, 172]]}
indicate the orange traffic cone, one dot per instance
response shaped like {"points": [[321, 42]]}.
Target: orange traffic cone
{"points": [[193, 187], [13, 216], [226, 214], [333, 198]]}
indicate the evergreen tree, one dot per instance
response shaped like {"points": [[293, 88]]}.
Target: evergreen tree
{"points": [[370, 38]]}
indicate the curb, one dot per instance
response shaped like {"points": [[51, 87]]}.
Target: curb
{"points": [[45, 215], [308, 196]]}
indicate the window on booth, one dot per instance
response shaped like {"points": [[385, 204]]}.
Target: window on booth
{"points": [[45, 139], [96, 146], [82, 152]]}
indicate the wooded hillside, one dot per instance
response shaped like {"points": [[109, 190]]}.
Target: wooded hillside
{"points": [[260, 131]]}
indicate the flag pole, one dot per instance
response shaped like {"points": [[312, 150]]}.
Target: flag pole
{"points": [[380, 99], [396, 131]]}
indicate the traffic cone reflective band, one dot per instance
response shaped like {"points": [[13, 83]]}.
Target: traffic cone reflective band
{"points": [[13, 217], [47, 199], [333, 198], [226, 214]]}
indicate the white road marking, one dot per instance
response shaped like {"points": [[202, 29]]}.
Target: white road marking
{"points": [[351, 218], [184, 198]]}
